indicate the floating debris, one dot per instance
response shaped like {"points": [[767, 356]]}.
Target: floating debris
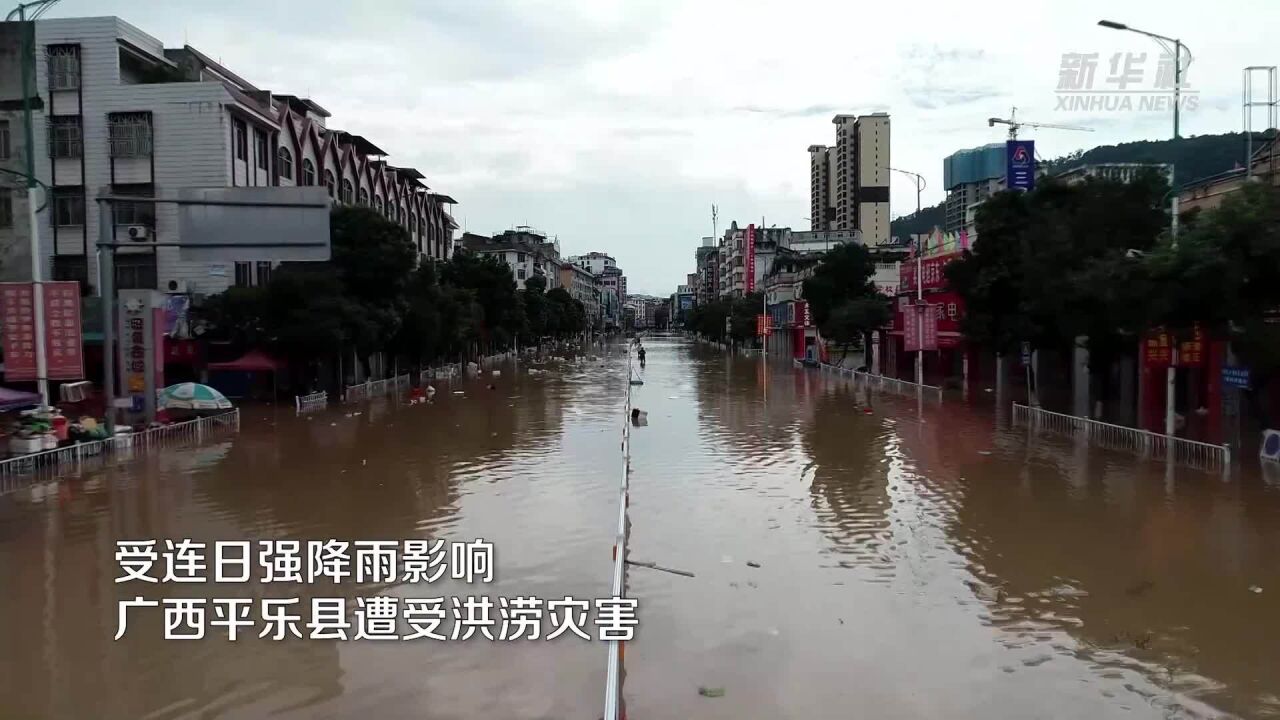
{"points": [[752, 563], [711, 691], [1255, 589]]}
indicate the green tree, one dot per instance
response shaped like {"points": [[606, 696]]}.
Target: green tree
{"points": [[843, 298]]}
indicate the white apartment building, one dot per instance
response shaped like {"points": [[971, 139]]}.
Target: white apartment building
{"points": [[857, 184], [119, 112], [525, 250], [585, 287], [606, 268]]}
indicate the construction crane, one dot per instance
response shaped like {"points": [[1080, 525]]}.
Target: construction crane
{"points": [[1015, 124]]}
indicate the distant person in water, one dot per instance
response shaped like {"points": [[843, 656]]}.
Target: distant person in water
{"points": [[641, 354]]}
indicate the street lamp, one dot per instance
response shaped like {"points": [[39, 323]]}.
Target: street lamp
{"points": [[920, 184], [19, 13], [1177, 62]]}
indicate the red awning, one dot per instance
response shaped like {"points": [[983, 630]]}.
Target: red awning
{"points": [[252, 361]]}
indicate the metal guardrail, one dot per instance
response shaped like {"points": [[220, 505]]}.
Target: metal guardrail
{"points": [[442, 372], [374, 388], [313, 401], [879, 382], [78, 455], [1118, 437], [613, 705]]}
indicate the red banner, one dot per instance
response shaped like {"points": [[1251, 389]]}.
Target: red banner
{"points": [[762, 324], [64, 343], [751, 258], [1191, 352], [930, 268], [919, 329], [1157, 350], [803, 318], [19, 331]]}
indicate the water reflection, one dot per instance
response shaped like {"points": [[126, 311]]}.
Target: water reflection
{"points": [[849, 549]]}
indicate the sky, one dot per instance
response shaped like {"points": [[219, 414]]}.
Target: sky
{"points": [[615, 125]]}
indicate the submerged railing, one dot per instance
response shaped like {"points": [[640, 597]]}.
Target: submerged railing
{"points": [[313, 401], [20, 467], [879, 382], [613, 705], [1118, 437], [375, 388]]}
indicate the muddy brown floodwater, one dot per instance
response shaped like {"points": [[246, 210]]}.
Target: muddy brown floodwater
{"points": [[914, 561]]}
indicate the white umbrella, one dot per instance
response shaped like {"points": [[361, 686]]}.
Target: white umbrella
{"points": [[193, 396]]}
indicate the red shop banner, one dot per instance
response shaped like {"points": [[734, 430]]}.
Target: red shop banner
{"points": [[1157, 350], [64, 341], [1191, 351], [931, 268], [19, 331]]}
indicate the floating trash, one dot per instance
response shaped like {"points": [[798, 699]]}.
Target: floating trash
{"points": [[712, 692]]}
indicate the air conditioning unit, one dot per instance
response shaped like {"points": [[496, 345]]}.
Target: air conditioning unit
{"points": [[1270, 445], [137, 233], [177, 286]]}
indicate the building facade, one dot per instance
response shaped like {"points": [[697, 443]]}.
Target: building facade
{"points": [[861, 176], [584, 287], [822, 188], [119, 111], [970, 177], [526, 251]]}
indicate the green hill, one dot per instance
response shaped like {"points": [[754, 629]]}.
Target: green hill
{"points": [[1193, 158]]}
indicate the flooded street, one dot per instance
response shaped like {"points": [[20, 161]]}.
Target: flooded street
{"points": [[909, 564]]}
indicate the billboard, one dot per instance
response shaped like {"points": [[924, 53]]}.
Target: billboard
{"points": [[1020, 174], [931, 268], [919, 329], [248, 224], [63, 338], [750, 251]]}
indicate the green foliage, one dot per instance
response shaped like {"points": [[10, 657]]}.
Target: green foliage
{"points": [[1052, 265], [843, 279], [709, 320]]}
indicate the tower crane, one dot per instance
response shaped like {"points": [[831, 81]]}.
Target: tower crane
{"points": [[1015, 124]]}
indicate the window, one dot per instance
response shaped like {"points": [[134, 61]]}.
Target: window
{"points": [[5, 147], [264, 272], [71, 267], [129, 134], [308, 172], [413, 224], [68, 207], [364, 196], [348, 191], [65, 137], [377, 204], [6, 208], [240, 138], [520, 274], [134, 213], [64, 66], [285, 160], [329, 183], [136, 271], [260, 148], [244, 276], [519, 257]]}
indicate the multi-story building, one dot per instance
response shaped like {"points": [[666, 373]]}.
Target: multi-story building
{"points": [[970, 177], [860, 177], [595, 262], [614, 282], [734, 251], [822, 187], [820, 240], [584, 287], [117, 111], [606, 268], [526, 251], [1118, 172], [707, 258]]}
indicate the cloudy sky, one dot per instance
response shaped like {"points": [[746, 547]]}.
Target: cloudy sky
{"points": [[615, 124]]}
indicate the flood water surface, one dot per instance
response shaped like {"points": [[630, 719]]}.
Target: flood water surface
{"points": [[853, 556]]}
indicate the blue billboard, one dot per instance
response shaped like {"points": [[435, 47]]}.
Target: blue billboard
{"points": [[1020, 173]]}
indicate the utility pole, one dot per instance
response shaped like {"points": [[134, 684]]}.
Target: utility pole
{"points": [[37, 261], [919, 308]]}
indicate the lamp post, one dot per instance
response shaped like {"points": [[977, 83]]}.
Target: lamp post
{"points": [[919, 307], [28, 82], [1177, 63], [1171, 372]]}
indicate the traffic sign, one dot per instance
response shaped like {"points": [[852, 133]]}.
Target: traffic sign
{"points": [[1237, 377]]}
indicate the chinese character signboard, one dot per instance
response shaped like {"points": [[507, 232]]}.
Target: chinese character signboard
{"points": [[63, 340], [64, 343], [931, 268], [1191, 351], [19, 331], [762, 325], [1157, 350], [750, 251], [1020, 173], [141, 345], [929, 328], [803, 318], [919, 328], [1237, 377]]}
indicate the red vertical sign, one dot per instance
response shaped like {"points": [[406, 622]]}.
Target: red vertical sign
{"points": [[64, 343], [910, 328], [1191, 351], [929, 328], [751, 258], [19, 331]]}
